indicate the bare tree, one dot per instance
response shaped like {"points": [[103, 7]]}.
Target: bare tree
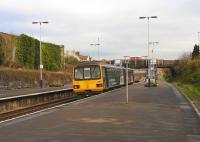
{"points": [[185, 56]]}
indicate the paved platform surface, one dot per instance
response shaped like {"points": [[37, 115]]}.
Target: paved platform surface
{"points": [[152, 115], [18, 92]]}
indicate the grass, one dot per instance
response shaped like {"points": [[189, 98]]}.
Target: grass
{"points": [[190, 91]]}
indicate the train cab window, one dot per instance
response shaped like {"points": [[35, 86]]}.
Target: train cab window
{"points": [[79, 73], [87, 74], [95, 73]]}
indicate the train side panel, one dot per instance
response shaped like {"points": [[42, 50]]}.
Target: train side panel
{"points": [[112, 77]]}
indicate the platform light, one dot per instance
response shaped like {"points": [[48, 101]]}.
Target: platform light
{"points": [[148, 17], [126, 62], [41, 65]]}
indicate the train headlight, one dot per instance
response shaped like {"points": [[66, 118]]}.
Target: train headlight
{"points": [[99, 85], [76, 86]]}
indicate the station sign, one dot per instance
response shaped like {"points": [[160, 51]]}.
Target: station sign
{"points": [[135, 58], [41, 66]]}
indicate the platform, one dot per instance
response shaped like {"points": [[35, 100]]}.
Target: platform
{"points": [[26, 91], [157, 114]]}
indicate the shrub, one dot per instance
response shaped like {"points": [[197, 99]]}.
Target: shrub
{"points": [[51, 56], [189, 72], [1, 51]]}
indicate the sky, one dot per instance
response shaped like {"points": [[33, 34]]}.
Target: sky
{"points": [[78, 23]]}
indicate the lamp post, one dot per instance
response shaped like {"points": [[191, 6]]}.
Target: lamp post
{"points": [[148, 17], [96, 44], [41, 65], [126, 61]]}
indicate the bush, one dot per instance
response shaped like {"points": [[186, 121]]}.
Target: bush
{"points": [[25, 52], [188, 72], [28, 54], [51, 56], [1, 51]]}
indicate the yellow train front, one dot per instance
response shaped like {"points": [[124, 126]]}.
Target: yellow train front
{"points": [[87, 78], [95, 77]]}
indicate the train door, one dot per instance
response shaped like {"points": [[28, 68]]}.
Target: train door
{"points": [[121, 77], [105, 79]]}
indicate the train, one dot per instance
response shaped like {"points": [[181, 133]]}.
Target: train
{"points": [[96, 77]]}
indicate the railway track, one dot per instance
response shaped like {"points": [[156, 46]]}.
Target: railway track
{"points": [[13, 107]]}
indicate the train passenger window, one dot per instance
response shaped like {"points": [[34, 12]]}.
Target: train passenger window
{"points": [[79, 73], [87, 73], [95, 73]]}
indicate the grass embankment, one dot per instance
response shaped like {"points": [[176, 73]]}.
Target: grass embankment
{"points": [[192, 92], [186, 77]]}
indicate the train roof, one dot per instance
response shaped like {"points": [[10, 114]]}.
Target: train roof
{"points": [[98, 63], [89, 63]]}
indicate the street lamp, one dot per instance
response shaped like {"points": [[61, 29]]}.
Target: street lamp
{"points": [[96, 44], [41, 65], [126, 61], [148, 17]]}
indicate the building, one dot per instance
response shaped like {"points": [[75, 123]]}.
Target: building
{"points": [[78, 56]]}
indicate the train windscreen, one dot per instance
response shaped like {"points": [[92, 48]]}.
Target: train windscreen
{"points": [[86, 73]]}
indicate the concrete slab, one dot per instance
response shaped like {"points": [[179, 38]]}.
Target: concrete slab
{"points": [[152, 115]]}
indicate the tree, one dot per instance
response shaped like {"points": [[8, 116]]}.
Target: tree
{"points": [[1, 56], [71, 60], [185, 56], [1, 51], [195, 53]]}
